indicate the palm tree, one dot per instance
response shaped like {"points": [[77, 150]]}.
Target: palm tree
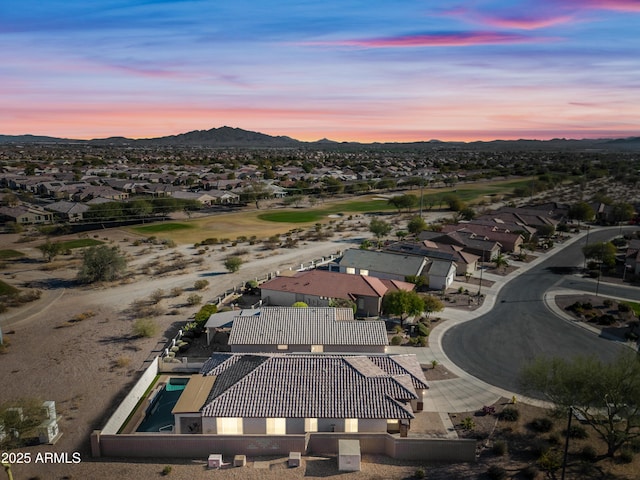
{"points": [[501, 261]]}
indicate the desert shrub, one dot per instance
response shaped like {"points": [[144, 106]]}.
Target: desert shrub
{"points": [[423, 330], [587, 305], [550, 461], [624, 308], [194, 299], [496, 472], [413, 341], [606, 319], [157, 295], [607, 303], [398, 329], [396, 340], [166, 470], [144, 327], [201, 284], [422, 341], [554, 439], [499, 448], [122, 361], [541, 425], [577, 431], [510, 414], [176, 292], [468, 423], [205, 312], [420, 473], [626, 455], [588, 453]]}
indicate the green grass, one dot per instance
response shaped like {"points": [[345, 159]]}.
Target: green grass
{"points": [[163, 227], [8, 254], [79, 243], [6, 289], [307, 216]]}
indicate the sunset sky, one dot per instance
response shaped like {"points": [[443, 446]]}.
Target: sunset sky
{"points": [[346, 70]]}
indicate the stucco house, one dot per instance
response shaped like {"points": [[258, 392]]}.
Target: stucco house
{"points": [[68, 211], [387, 265], [320, 288], [317, 329], [465, 263], [280, 394], [25, 215]]}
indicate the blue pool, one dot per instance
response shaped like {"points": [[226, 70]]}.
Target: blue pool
{"points": [[158, 417]]}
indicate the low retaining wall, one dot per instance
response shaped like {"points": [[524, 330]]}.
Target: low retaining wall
{"points": [[192, 446]]}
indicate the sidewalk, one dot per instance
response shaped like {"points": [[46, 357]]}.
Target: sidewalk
{"points": [[467, 393]]}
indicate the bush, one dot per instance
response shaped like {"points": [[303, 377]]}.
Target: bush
{"points": [[176, 292], [468, 423], [550, 461], [144, 327], [233, 263], [420, 473], [541, 425], [423, 330], [166, 470], [510, 414], [205, 312], [201, 284], [626, 455], [396, 340], [500, 448], [624, 308], [588, 453], [496, 472], [194, 300], [607, 303], [577, 431]]}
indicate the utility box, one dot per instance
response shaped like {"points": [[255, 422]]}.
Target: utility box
{"points": [[214, 460], [49, 409], [239, 460], [349, 455], [294, 459], [49, 432]]}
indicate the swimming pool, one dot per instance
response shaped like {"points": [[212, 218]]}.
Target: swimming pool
{"points": [[158, 417]]}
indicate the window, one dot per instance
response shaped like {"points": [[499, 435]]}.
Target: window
{"points": [[310, 424], [283, 347], [317, 348], [229, 426], [351, 270], [276, 426], [364, 272], [351, 425]]}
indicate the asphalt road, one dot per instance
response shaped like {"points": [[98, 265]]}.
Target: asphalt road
{"points": [[495, 346]]}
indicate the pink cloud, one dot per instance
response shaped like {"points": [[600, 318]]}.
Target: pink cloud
{"points": [[434, 40], [617, 5], [524, 23]]}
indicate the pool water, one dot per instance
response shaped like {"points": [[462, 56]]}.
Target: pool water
{"points": [[158, 417]]}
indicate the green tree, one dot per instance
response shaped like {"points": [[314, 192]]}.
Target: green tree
{"points": [[101, 263], [467, 213], [204, 313], [453, 201], [50, 250], [432, 304], [379, 228], [402, 303], [416, 225], [140, 208], [581, 211], [233, 263], [622, 212], [604, 252], [404, 202], [607, 396], [300, 305]]}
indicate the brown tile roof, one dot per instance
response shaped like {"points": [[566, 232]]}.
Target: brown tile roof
{"points": [[334, 285]]}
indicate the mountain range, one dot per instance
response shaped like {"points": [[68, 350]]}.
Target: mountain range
{"points": [[225, 137]]}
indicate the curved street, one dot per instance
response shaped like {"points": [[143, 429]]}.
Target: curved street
{"points": [[495, 346]]}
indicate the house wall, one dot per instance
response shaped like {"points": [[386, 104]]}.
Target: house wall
{"points": [[209, 425], [368, 306], [355, 348], [295, 426], [307, 348], [254, 426], [188, 423], [273, 297]]}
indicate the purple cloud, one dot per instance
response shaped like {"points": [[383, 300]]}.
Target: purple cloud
{"points": [[462, 39]]}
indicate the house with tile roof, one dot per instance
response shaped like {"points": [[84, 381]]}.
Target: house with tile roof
{"points": [[314, 329], [320, 288], [509, 241], [380, 264], [281, 394], [470, 242], [465, 263]]}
